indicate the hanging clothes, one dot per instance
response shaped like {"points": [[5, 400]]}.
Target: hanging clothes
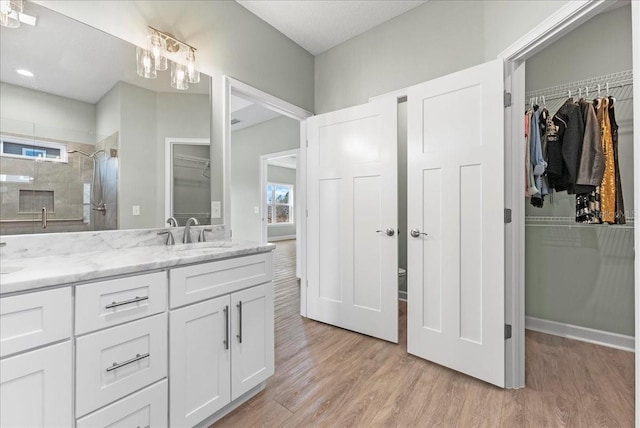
{"points": [[608, 186], [620, 217], [564, 158], [592, 163], [527, 163], [538, 163]]}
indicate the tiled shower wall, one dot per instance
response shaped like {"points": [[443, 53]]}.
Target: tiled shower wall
{"points": [[67, 182]]}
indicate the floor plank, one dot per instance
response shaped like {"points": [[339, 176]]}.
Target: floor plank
{"points": [[329, 377]]}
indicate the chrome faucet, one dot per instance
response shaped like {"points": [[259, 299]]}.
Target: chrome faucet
{"points": [[172, 222], [186, 239]]}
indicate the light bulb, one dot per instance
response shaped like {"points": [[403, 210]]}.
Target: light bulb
{"points": [[193, 75], [179, 76], [145, 63], [10, 11], [159, 51]]}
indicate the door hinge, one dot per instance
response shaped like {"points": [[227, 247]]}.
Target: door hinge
{"points": [[307, 213], [307, 283], [507, 99], [507, 215], [507, 331], [307, 143]]}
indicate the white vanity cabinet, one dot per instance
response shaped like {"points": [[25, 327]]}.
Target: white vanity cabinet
{"points": [[223, 347], [36, 385], [167, 348]]}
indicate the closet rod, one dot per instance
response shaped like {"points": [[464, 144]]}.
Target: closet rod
{"points": [[614, 79]]}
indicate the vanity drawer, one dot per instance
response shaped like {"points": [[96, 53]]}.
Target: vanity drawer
{"points": [[147, 408], [34, 319], [118, 361], [195, 283], [112, 302]]}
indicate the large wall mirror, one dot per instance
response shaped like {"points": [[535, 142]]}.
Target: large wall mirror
{"points": [[83, 136]]}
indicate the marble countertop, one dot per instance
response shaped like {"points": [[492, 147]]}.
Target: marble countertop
{"points": [[18, 274]]}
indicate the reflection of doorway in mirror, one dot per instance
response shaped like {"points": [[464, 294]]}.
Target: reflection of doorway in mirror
{"points": [[188, 180]]}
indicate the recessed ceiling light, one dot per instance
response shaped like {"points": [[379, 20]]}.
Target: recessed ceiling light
{"points": [[24, 72]]}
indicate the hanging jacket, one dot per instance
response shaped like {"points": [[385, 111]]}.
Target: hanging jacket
{"points": [[537, 160], [564, 161], [592, 162]]}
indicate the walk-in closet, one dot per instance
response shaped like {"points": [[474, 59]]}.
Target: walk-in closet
{"points": [[579, 280]]}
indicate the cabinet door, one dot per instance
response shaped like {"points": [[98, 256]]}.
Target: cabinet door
{"points": [[252, 338], [199, 361], [35, 388]]}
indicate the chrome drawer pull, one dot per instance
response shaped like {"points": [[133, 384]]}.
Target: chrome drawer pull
{"points": [[126, 302], [138, 357]]}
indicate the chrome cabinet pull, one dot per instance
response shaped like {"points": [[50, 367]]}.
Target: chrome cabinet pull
{"points": [[226, 327], [239, 335], [126, 302], [416, 233], [138, 357], [388, 231]]}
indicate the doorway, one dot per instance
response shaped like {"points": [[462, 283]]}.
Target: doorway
{"points": [[258, 124], [187, 180]]}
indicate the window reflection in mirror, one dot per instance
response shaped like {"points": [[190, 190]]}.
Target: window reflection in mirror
{"points": [[110, 125]]}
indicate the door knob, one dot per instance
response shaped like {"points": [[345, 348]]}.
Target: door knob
{"points": [[388, 231], [416, 233]]}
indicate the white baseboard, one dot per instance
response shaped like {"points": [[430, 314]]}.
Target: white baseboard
{"points": [[598, 337], [281, 238], [402, 295]]}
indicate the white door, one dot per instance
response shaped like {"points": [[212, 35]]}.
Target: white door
{"points": [[36, 388], [352, 201], [252, 336], [456, 203], [199, 361]]}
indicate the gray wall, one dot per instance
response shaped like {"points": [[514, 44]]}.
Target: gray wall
{"points": [[53, 117], [278, 174], [432, 40], [247, 145], [138, 157], [179, 116], [584, 275]]}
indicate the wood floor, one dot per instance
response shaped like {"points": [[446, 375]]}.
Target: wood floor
{"points": [[329, 377]]}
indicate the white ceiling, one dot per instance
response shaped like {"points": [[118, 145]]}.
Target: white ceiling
{"points": [[318, 25], [248, 113]]}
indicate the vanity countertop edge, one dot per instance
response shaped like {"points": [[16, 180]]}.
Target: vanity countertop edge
{"points": [[35, 273]]}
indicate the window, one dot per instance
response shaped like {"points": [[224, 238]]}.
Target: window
{"points": [[279, 203], [25, 148]]}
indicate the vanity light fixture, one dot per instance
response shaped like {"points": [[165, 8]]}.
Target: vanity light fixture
{"points": [[10, 11], [154, 58]]}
